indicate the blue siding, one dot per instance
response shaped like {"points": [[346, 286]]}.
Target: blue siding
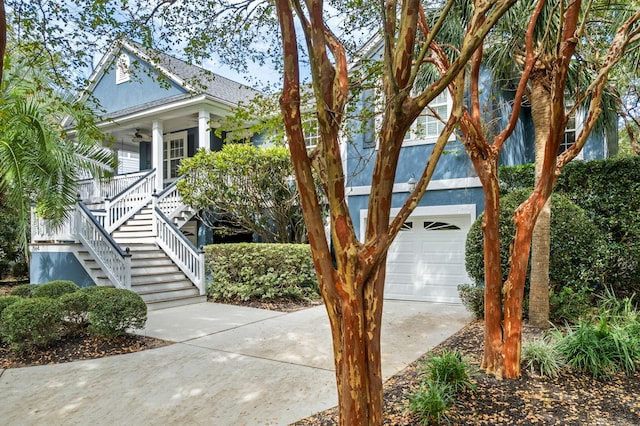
{"points": [[47, 266], [431, 198], [454, 164], [140, 89]]}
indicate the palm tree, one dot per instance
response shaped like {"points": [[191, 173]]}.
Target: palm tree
{"points": [[506, 64], [39, 163]]}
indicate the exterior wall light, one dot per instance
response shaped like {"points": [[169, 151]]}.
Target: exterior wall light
{"points": [[411, 183]]}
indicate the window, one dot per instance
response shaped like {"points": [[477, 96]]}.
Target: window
{"points": [[569, 134], [407, 226], [311, 134], [123, 68], [174, 150], [428, 126], [440, 226], [430, 123]]}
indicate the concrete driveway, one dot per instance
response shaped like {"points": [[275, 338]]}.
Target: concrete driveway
{"points": [[230, 365]]}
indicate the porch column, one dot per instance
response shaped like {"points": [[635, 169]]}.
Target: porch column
{"points": [[156, 153], [204, 133]]}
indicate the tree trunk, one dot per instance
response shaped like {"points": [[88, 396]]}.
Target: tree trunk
{"points": [[492, 359], [540, 254], [356, 324], [541, 242]]}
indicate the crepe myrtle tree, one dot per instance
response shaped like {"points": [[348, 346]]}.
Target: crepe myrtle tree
{"points": [[503, 300], [353, 288]]}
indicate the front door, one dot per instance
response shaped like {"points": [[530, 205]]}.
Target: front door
{"points": [[173, 151]]}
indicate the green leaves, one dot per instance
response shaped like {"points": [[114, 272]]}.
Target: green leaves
{"points": [[245, 189], [39, 162], [242, 272]]}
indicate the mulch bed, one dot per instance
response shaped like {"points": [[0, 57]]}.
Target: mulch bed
{"points": [[76, 349], [569, 399]]}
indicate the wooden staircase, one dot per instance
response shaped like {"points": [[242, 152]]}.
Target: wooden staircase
{"points": [[133, 240], [154, 276]]}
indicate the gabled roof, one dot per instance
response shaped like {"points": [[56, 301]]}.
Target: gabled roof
{"points": [[195, 79]]}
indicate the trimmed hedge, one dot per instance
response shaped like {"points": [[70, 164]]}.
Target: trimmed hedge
{"points": [[24, 290], [30, 323], [55, 289], [250, 271], [74, 308], [609, 191], [7, 301], [112, 311], [576, 244]]}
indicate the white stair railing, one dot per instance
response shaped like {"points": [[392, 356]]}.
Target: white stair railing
{"points": [[169, 201], [90, 189], [113, 261], [183, 253], [125, 204]]}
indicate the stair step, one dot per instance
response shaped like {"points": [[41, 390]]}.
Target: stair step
{"points": [[159, 278], [154, 276], [138, 233], [164, 295], [135, 227], [144, 270], [126, 241], [161, 287], [137, 262]]}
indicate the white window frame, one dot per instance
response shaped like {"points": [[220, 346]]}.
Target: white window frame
{"points": [[170, 154], [123, 68], [574, 125], [416, 135], [311, 132]]}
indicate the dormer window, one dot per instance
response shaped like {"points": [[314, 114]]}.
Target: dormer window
{"points": [[122, 68]]}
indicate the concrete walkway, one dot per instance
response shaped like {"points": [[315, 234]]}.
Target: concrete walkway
{"points": [[230, 365]]}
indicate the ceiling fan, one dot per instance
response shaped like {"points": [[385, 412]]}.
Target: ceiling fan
{"points": [[140, 136]]}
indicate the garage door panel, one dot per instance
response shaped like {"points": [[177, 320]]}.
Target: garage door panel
{"points": [[425, 263]]}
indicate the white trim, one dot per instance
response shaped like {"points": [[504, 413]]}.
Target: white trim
{"points": [[203, 129], [166, 160], [446, 210], [434, 185], [157, 142]]}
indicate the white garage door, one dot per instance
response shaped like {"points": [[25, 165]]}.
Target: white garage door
{"points": [[426, 260]]}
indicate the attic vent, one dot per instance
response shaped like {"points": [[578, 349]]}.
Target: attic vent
{"points": [[122, 68]]}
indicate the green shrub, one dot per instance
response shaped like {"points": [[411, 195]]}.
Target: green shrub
{"points": [[74, 308], [602, 348], [448, 368], [24, 290], [431, 402], [443, 376], [112, 311], [20, 269], [472, 297], [7, 301], [609, 191], [575, 262], [542, 356], [30, 323], [570, 305], [55, 289], [250, 271]]}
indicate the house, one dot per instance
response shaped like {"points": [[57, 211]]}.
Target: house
{"points": [[426, 262], [133, 231]]}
